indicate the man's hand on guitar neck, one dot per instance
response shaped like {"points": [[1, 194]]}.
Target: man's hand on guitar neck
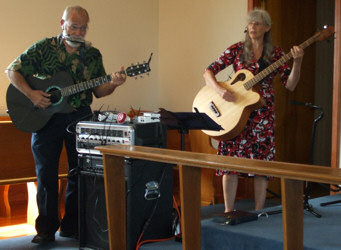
{"points": [[117, 79]]}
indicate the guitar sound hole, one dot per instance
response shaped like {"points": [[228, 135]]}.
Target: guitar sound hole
{"points": [[55, 95], [239, 77]]}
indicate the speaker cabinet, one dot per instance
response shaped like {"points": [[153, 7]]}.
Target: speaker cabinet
{"points": [[149, 197]]}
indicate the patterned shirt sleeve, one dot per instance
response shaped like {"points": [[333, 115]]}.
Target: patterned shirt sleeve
{"points": [[225, 59], [49, 56], [28, 63], [284, 70]]}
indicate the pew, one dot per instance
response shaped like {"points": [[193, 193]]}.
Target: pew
{"points": [[292, 177], [17, 163]]}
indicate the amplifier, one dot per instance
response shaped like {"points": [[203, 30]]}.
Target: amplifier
{"points": [[149, 202], [90, 134]]}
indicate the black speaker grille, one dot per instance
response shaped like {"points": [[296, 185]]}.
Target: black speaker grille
{"points": [[153, 217]]}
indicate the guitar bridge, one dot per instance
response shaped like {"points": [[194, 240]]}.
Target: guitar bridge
{"points": [[214, 109]]}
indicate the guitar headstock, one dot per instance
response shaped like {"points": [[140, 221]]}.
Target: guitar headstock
{"points": [[138, 69], [325, 33]]}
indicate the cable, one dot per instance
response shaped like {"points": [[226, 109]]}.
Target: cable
{"points": [[75, 122], [179, 215], [163, 239], [146, 224]]}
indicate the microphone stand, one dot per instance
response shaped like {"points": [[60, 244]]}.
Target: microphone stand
{"points": [[306, 205]]}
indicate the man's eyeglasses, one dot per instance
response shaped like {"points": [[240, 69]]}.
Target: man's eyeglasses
{"points": [[74, 27]]}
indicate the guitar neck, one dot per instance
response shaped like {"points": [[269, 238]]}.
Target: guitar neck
{"points": [[132, 71], [79, 87], [264, 73]]}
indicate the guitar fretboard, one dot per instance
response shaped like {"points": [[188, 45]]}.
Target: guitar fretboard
{"points": [[79, 87], [260, 76]]}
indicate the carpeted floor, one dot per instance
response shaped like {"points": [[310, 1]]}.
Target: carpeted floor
{"points": [[267, 232], [264, 233], [22, 243]]}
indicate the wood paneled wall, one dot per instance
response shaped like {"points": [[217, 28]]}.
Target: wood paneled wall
{"points": [[292, 26], [294, 22]]}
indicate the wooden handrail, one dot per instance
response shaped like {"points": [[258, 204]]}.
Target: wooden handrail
{"points": [[190, 163], [295, 171]]}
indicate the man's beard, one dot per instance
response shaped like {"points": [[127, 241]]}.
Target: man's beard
{"points": [[73, 41]]}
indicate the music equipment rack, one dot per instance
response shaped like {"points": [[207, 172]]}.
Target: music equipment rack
{"points": [[149, 185]]}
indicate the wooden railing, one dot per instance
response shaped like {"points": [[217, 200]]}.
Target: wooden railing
{"points": [[190, 164]]}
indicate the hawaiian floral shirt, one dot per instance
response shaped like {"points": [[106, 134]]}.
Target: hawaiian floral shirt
{"points": [[49, 56]]}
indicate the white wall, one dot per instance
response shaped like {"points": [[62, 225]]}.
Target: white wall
{"points": [[192, 34], [125, 32], [185, 36]]}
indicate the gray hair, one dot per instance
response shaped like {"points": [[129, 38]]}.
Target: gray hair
{"points": [[80, 10], [258, 15]]}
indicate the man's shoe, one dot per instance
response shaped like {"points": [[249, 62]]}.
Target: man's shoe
{"points": [[68, 234], [43, 238]]}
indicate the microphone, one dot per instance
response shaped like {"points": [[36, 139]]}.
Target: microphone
{"points": [[307, 104]]}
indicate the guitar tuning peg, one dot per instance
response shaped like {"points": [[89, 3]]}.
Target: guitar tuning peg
{"points": [[135, 77]]}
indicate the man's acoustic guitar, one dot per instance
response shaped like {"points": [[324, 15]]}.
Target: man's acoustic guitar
{"points": [[28, 118]]}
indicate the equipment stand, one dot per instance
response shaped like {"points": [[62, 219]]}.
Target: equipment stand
{"points": [[306, 205], [184, 121]]}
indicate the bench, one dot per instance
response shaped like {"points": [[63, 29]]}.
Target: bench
{"points": [[17, 163], [291, 175]]}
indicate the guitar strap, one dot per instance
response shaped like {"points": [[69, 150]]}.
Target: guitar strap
{"points": [[262, 64], [81, 55], [82, 59]]}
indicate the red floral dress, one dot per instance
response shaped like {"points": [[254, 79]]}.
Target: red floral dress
{"points": [[257, 140]]}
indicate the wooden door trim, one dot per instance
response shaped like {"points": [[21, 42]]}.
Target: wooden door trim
{"points": [[335, 152]]}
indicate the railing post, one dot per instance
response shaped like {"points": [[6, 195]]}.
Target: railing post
{"points": [[292, 204], [115, 196], [190, 196]]}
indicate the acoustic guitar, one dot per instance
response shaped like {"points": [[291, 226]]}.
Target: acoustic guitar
{"points": [[233, 116], [28, 118]]}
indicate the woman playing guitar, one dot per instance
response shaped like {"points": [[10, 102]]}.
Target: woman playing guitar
{"points": [[257, 140]]}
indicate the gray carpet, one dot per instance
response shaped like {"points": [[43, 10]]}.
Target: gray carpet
{"points": [[264, 233], [22, 243], [267, 232], [72, 244]]}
